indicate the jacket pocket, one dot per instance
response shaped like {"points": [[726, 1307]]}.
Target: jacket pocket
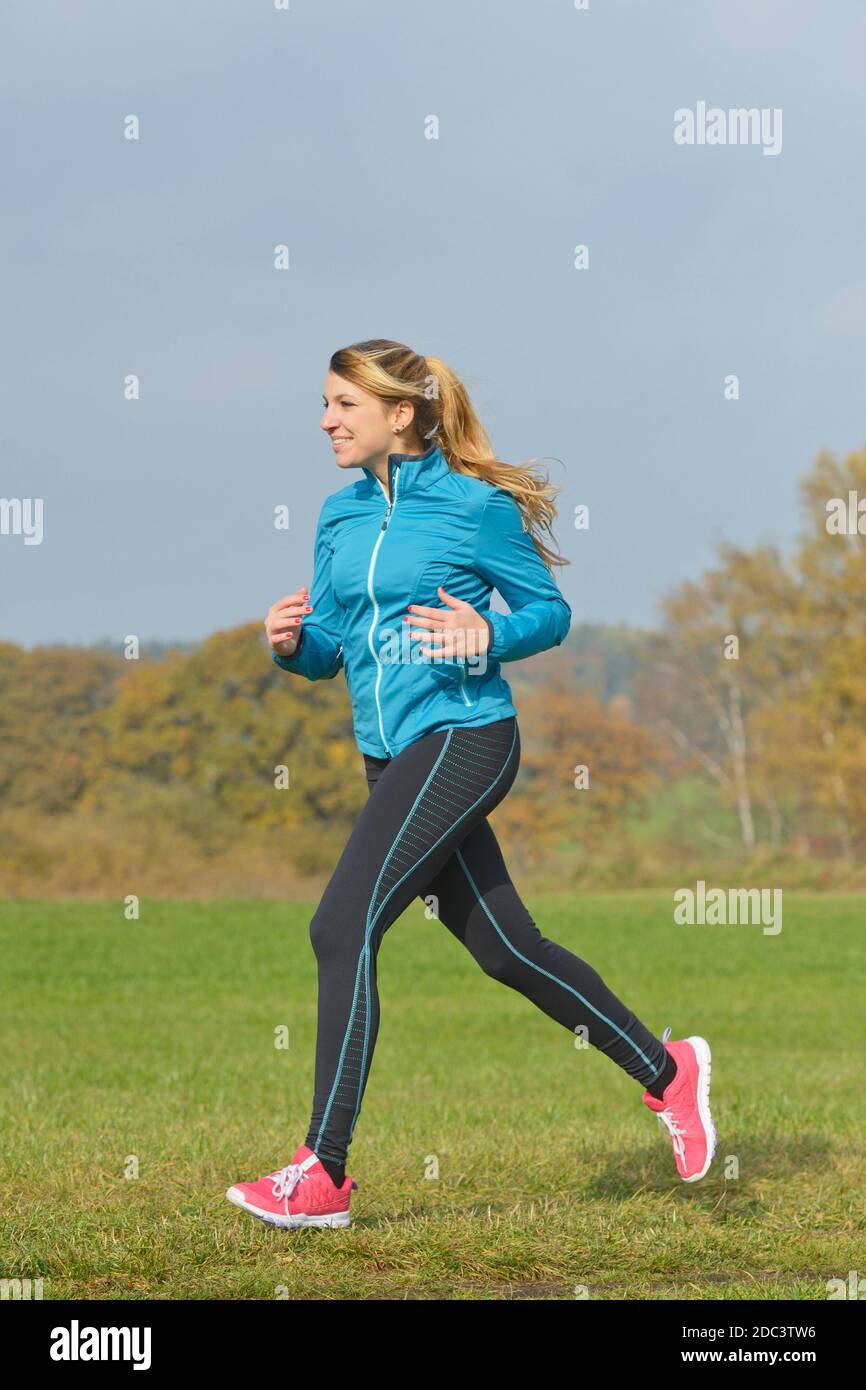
{"points": [[453, 680]]}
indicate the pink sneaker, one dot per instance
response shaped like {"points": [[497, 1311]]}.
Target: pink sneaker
{"points": [[301, 1194], [685, 1108]]}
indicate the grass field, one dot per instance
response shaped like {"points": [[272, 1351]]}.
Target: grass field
{"points": [[151, 1043]]}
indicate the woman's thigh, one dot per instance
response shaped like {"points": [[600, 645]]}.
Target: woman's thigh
{"points": [[474, 897], [452, 894], [422, 805]]}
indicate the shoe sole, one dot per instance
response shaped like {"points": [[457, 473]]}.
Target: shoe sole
{"points": [[336, 1218], [705, 1066]]}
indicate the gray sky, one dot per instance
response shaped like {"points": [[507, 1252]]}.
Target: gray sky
{"points": [[307, 127]]}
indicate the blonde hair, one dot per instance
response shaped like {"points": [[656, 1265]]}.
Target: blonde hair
{"points": [[393, 372]]}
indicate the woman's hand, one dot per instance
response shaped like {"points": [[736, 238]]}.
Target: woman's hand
{"points": [[283, 623], [453, 631]]}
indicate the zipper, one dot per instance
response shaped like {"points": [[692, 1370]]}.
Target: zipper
{"points": [[393, 478]]}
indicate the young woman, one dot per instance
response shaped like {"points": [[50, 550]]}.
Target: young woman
{"points": [[406, 558]]}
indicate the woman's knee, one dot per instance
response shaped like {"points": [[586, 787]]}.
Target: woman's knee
{"points": [[329, 932], [496, 958]]}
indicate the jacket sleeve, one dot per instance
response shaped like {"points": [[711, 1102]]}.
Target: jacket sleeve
{"points": [[507, 558], [319, 653]]}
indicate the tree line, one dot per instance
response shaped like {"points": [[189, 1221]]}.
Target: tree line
{"points": [[733, 735]]}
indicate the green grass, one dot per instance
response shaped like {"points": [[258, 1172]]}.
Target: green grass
{"points": [[155, 1039]]}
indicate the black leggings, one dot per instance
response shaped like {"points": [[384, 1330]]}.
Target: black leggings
{"points": [[423, 832]]}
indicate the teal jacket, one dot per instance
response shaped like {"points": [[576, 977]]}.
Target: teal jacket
{"points": [[373, 558]]}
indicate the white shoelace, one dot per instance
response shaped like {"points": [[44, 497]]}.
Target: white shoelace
{"points": [[676, 1133], [286, 1179], [668, 1117]]}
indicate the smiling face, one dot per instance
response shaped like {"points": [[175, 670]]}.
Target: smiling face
{"points": [[362, 428]]}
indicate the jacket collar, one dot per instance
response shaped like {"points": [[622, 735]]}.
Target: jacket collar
{"points": [[416, 472]]}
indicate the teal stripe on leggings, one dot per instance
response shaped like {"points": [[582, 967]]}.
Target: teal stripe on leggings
{"points": [[550, 976], [364, 958]]}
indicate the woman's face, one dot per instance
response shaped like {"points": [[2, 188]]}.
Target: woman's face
{"points": [[359, 428]]}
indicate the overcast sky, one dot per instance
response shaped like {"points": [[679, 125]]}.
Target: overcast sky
{"points": [[261, 126]]}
